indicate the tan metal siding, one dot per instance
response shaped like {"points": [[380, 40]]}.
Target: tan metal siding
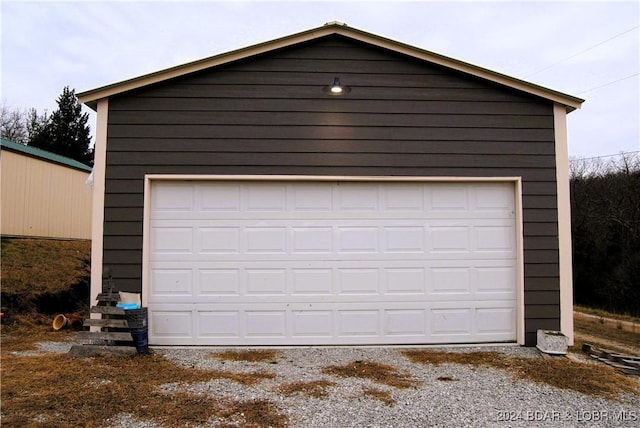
{"points": [[42, 199]]}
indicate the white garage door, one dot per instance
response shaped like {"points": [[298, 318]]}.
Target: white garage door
{"points": [[297, 263]]}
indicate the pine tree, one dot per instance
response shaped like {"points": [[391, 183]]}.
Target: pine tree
{"points": [[66, 132]]}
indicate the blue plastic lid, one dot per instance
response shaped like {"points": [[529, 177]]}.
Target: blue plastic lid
{"points": [[126, 306]]}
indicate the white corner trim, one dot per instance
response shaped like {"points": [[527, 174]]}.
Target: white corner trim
{"points": [[97, 218], [146, 221], [564, 221], [520, 324]]}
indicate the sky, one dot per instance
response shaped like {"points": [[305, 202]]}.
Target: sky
{"points": [[588, 49]]}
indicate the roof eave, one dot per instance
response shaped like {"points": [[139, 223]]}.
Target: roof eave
{"points": [[91, 97]]}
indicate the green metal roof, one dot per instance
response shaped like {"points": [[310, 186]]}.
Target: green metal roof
{"points": [[43, 155]]}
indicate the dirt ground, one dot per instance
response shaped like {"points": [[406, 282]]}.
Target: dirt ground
{"points": [[43, 389], [53, 389]]}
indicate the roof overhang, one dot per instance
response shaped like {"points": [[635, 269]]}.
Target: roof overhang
{"points": [[91, 97]]}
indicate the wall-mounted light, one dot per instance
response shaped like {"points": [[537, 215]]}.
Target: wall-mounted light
{"points": [[336, 88]]}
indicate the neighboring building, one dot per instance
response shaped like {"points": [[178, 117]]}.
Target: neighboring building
{"points": [[44, 195], [428, 203]]}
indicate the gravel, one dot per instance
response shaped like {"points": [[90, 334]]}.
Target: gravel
{"points": [[476, 397]]}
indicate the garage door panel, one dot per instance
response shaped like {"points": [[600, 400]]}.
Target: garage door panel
{"points": [[312, 197], [495, 321], [265, 197], [172, 240], [358, 196], [271, 282], [218, 282], [173, 197], [312, 239], [270, 323], [218, 240], [404, 280], [219, 324], [363, 281], [223, 198], [495, 279], [343, 323], [361, 322], [273, 263], [451, 322], [435, 279], [172, 282], [403, 239], [450, 280], [294, 236], [449, 197], [312, 323], [309, 281], [405, 322], [174, 323]]}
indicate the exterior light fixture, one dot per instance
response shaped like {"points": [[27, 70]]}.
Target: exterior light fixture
{"points": [[336, 88]]}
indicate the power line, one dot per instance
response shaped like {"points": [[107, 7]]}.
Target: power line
{"points": [[605, 156], [607, 84], [583, 51]]}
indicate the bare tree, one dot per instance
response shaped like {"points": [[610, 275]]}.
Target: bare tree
{"points": [[13, 125], [21, 126], [605, 211]]}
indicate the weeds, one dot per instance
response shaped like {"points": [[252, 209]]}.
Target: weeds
{"points": [[315, 389], [589, 379], [380, 373], [253, 356], [63, 391], [380, 395]]}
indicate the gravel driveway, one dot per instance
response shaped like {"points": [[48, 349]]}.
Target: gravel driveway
{"points": [[449, 395], [464, 395]]}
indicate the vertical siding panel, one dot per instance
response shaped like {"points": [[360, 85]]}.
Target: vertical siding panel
{"points": [[42, 199]]}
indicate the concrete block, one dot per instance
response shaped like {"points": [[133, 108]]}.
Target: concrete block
{"points": [[552, 342]]}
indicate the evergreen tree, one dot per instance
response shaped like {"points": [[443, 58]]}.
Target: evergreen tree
{"points": [[66, 132]]}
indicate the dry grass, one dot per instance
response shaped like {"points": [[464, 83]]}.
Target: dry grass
{"points": [[604, 336], [447, 379], [253, 356], [380, 373], [563, 373], [43, 264], [315, 389], [61, 391], [379, 394], [44, 275], [435, 358], [602, 313], [27, 330]]}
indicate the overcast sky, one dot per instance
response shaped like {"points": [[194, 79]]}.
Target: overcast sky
{"points": [[588, 49]]}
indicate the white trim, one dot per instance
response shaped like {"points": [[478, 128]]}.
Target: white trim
{"points": [[520, 322], [517, 181], [564, 221], [97, 220], [196, 177], [145, 240]]}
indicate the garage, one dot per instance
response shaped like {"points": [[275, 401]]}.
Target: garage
{"points": [[334, 187], [283, 262]]}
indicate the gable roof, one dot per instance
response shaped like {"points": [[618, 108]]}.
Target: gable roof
{"points": [[45, 155], [91, 97]]}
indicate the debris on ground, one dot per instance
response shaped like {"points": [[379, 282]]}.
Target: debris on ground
{"points": [[628, 364]]}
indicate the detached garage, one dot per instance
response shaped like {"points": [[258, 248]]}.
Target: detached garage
{"points": [[334, 187]]}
